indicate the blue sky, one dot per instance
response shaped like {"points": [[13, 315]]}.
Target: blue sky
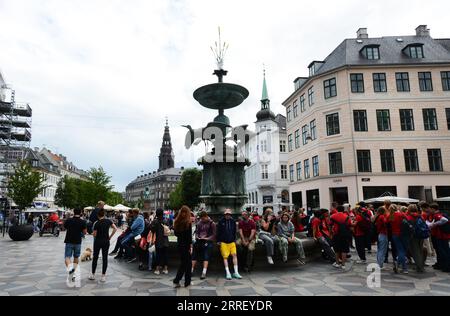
{"points": [[102, 75]]}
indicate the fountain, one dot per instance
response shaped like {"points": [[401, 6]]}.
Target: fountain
{"points": [[223, 183]]}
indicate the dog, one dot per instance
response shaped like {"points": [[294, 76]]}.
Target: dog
{"points": [[87, 255]]}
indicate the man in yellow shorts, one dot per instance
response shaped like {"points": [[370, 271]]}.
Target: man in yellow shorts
{"points": [[226, 239]]}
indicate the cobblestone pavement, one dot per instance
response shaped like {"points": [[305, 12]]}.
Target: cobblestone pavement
{"points": [[37, 267]]}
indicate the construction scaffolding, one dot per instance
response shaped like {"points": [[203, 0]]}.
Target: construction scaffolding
{"points": [[15, 133]]}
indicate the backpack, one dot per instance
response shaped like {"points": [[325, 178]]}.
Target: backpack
{"points": [[366, 224], [407, 230], [421, 230], [446, 227], [344, 231]]}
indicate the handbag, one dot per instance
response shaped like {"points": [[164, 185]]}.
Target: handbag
{"points": [[167, 231], [143, 243]]}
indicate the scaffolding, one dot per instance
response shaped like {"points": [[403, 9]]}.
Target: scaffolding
{"points": [[15, 133]]}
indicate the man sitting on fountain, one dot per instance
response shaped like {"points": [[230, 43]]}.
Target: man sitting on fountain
{"points": [[226, 239], [247, 240]]}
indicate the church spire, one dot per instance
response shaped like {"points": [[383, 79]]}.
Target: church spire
{"points": [[166, 156], [265, 101]]}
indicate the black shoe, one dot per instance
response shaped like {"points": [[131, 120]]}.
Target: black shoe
{"points": [[118, 257], [176, 285], [112, 254]]}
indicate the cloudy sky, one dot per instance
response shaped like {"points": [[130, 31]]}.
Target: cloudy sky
{"points": [[101, 75]]}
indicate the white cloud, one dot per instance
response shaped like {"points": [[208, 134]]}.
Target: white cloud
{"points": [[101, 75]]}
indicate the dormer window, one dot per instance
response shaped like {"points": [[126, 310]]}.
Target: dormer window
{"points": [[414, 51], [371, 52], [314, 67]]}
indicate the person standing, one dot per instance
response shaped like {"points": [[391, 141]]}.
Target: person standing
{"points": [[100, 231], [247, 239], [286, 236], [93, 217], [226, 239], [440, 228], [341, 232], [383, 241], [205, 233], [75, 227], [416, 243], [183, 230], [396, 219], [160, 238]]}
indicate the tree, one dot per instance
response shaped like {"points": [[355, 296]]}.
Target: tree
{"points": [[67, 193], [175, 198], [25, 185], [114, 198], [188, 190]]}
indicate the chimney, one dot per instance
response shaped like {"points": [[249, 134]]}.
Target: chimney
{"points": [[422, 30], [362, 33]]}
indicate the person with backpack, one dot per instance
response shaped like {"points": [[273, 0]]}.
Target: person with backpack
{"points": [[440, 229], [160, 232], [383, 241], [322, 235], [362, 225], [341, 235], [205, 234], [421, 232], [397, 220]]}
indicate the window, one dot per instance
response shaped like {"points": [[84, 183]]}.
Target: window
{"points": [[402, 79], [387, 160], [333, 124], [307, 171], [379, 82], [411, 160], [372, 52], [330, 88], [282, 146], [416, 51], [304, 134], [264, 146], [290, 144], [447, 113], [289, 114], [264, 172], [311, 96], [383, 120], [360, 120], [291, 173], [407, 119], [357, 83], [295, 107], [445, 75], [335, 160], [299, 171], [425, 81], [364, 161], [430, 120], [297, 139], [284, 174], [435, 160], [302, 103], [315, 162], [313, 130]]}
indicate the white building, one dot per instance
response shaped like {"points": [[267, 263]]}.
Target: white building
{"points": [[267, 176]]}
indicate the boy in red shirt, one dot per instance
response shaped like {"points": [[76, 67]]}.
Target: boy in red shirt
{"points": [[342, 235], [439, 230], [395, 218]]}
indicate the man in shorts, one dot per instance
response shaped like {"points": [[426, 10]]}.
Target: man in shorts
{"points": [[75, 227], [226, 239]]}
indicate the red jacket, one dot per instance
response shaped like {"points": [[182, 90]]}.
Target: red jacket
{"points": [[438, 233], [380, 223], [396, 223]]}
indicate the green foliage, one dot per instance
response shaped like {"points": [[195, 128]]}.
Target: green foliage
{"points": [[73, 193], [114, 198], [188, 190], [25, 185]]}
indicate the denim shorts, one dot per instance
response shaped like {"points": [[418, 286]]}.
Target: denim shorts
{"points": [[72, 250]]}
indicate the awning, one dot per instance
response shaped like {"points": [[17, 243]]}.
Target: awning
{"points": [[444, 199]]}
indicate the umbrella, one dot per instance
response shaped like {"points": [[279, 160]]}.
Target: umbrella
{"points": [[392, 198], [108, 207], [444, 199], [121, 207], [89, 208]]}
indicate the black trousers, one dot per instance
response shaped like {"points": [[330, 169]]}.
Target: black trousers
{"points": [[118, 245], [361, 243], [104, 248], [185, 265], [161, 257]]}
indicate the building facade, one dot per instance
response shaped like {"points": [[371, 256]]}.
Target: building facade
{"points": [[267, 176], [373, 117], [154, 189]]}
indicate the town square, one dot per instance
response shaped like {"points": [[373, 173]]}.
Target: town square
{"points": [[190, 149]]}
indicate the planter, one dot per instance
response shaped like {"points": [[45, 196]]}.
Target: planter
{"points": [[21, 233]]}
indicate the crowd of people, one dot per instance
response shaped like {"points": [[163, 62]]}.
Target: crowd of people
{"points": [[411, 233]]}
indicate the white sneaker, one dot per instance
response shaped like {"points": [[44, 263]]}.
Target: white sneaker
{"points": [[92, 277], [157, 272], [270, 260], [103, 279], [166, 272], [336, 265]]}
